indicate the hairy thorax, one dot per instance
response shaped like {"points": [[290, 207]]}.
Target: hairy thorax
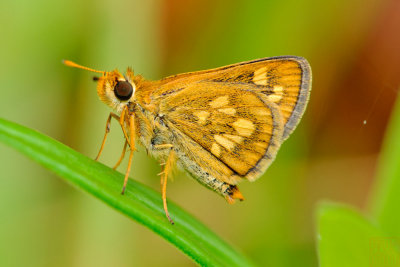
{"points": [[152, 131]]}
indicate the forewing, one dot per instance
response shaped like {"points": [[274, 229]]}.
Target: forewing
{"points": [[239, 127], [285, 81]]}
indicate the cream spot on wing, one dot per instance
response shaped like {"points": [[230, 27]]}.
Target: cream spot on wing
{"points": [[202, 116], [261, 82], [229, 111], [244, 127], [220, 102], [216, 149], [278, 89], [235, 138], [260, 111], [260, 73], [260, 76], [229, 145], [277, 94]]}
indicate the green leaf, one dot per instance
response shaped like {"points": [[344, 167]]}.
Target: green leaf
{"points": [[346, 238], [385, 200], [139, 202]]}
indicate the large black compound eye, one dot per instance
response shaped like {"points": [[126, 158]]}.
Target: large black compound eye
{"points": [[123, 90]]}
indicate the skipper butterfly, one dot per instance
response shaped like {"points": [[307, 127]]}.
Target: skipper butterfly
{"points": [[222, 125]]}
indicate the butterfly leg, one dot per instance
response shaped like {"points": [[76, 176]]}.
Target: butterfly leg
{"points": [[108, 127], [125, 117], [122, 156], [131, 142], [164, 176]]}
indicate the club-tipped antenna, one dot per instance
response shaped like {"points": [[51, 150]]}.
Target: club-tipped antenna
{"points": [[75, 65]]}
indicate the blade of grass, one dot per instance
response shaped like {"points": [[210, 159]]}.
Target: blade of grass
{"points": [[385, 199], [139, 202]]}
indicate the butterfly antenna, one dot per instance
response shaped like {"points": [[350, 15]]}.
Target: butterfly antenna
{"points": [[74, 65]]}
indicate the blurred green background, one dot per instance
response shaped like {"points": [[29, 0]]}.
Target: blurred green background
{"points": [[353, 49]]}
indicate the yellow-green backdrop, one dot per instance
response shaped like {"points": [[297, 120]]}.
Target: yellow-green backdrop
{"points": [[332, 155]]}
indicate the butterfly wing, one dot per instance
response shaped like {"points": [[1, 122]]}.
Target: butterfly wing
{"points": [[238, 127], [236, 117], [285, 81]]}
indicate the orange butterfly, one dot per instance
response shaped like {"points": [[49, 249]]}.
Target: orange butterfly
{"points": [[222, 125]]}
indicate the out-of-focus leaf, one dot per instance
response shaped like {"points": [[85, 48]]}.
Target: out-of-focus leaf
{"points": [[385, 201], [347, 239]]}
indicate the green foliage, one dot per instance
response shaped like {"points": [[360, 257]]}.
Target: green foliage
{"points": [[139, 202], [385, 202], [347, 238]]}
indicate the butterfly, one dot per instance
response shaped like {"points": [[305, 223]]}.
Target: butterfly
{"points": [[221, 125]]}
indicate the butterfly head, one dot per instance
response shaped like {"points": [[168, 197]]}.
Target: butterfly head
{"points": [[114, 89]]}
